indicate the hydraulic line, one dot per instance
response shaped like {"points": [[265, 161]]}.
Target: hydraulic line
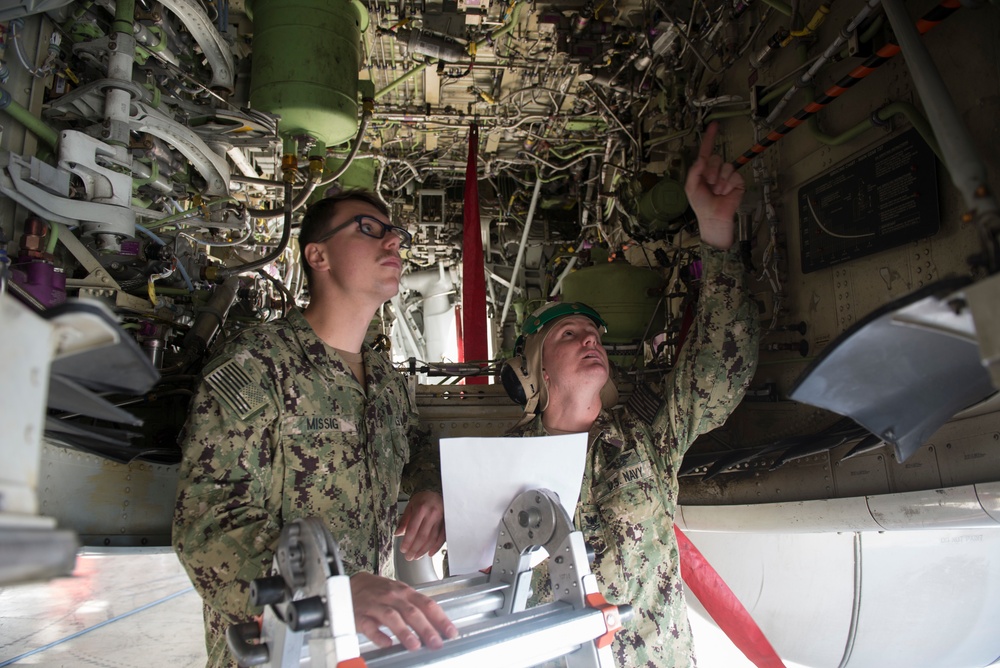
{"points": [[968, 172], [612, 114], [520, 247], [827, 55], [217, 274], [879, 118], [924, 25], [300, 198], [193, 212], [309, 187], [369, 108], [27, 119]]}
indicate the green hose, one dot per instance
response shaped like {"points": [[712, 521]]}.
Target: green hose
{"points": [[50, 246], [27, 119]]}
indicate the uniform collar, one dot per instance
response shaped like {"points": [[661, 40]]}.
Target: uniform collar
{"points": [[605, 429], [330, 365]]}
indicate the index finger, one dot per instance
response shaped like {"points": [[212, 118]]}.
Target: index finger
{"points": [[414, 526], [708, 141]]}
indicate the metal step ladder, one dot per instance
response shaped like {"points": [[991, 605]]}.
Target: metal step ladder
{"points": [[309, 618]]}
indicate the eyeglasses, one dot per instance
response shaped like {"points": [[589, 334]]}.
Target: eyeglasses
{"points": [[370, 226]]}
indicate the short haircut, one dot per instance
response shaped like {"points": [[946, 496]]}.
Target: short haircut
{"points": [[316, 220]]}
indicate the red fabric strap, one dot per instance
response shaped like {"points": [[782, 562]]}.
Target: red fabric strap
{"points": [[722, 605], [473, 344]]}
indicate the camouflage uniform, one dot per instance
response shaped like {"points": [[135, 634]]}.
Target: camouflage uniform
{"points": [[281, 429], [629, 493]]}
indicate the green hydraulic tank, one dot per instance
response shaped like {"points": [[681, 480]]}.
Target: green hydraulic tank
{"points": [[662, 203], [306, 57], [626, 296], [360, 175]]}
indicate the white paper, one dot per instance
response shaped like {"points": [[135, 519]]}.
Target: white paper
{"points": [[481, 476]]}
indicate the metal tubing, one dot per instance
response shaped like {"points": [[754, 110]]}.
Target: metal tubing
{"points": [[515, 15], [520, 249], [124, 16], [527, 638], [28, 120], [960, 156], [405, 76], [365, 118], [212, 317], [282, 245], [919, 123], [612, 114], [254, 181], [417, 347], [829, 53], [917, 120], [882, 55]]}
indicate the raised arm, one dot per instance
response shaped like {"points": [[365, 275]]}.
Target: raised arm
{"points": [[719, 356]]}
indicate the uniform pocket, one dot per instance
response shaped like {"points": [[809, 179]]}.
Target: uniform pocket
{"points": [[324, 465]]}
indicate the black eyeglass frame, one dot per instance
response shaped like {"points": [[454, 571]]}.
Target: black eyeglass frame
{"points": [[405, 238]]}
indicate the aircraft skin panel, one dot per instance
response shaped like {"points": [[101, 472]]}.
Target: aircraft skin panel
{"points": [[965, 507], [961, 452], [949, 572], [108, 504], [902, 588], [805, 580]]}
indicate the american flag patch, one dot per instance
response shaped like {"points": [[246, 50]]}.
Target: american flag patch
{"points": [[237, 389], [645, 404]]}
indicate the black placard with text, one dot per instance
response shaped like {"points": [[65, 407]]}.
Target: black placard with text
{"points": [[881, 199]]}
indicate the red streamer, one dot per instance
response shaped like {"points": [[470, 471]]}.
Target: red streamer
{"points": [[473, 344], [721, 603]]}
